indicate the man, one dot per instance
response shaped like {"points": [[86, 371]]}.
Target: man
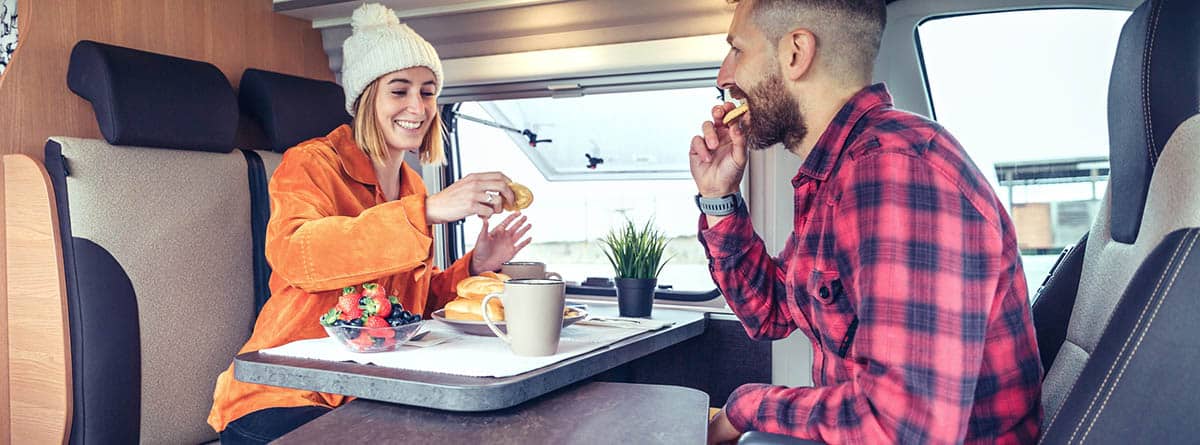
{"points": [[902, 268]]}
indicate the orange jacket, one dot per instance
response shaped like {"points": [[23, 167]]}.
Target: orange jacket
{"points": [[331, 227]]}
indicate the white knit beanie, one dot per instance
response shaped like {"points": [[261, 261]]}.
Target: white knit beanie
{"points": [[379, 45]]}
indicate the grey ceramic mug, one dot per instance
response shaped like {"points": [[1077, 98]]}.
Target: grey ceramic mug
{"points": [[533, 315], [528, 269]]}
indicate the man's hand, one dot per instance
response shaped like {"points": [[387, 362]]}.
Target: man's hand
{"points": [[720, 431], [718, 155]]}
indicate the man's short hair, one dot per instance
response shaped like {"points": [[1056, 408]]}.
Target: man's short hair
{"points": [[848, 31]]}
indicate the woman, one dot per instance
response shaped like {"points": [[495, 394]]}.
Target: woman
{"points": [[347, 210]]}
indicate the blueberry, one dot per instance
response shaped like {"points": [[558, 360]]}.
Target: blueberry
{"points": [[339, 322], [395, 322], [350, 333], [405, 314], [397, 310], [356, 322]]}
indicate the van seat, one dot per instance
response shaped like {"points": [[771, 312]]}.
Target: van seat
{"points": [[157, 247]]}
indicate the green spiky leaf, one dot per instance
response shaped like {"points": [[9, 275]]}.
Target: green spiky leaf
{"points": [[635, 252], [330, 317]]}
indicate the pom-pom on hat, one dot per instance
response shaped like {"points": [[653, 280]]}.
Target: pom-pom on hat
{"points": [[379, 45]]}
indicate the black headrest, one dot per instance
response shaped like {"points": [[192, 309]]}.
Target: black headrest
{"points": [[1155, 86], [154, 100], [291, 109]]}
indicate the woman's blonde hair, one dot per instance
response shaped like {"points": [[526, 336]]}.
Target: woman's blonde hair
{"points": [[370, 137]]}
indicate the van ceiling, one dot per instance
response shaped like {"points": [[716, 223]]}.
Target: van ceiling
{"points": [[469, 28], [468, 34]]}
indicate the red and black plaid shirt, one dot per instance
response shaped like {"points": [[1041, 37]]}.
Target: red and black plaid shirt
{"points": [[903, 271]]}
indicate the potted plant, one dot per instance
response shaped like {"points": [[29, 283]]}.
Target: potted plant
{"points": [[636, 258]]}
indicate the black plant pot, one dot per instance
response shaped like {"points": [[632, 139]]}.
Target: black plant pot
{"points": [[635, 296]]}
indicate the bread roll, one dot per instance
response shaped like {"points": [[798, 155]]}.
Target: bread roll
{"points": [[496, 275], [478, 287], [467, 309]]}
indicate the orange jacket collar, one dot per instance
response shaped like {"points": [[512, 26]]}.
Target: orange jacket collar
{"points": [[354, 160]]}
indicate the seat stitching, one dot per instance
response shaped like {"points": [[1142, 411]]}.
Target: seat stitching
{"points": [[1141, 336], [1149, 57], [1108, 374], [1121, 353]]}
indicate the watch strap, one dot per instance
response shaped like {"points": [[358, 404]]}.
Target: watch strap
{"points": [[721, 206]]}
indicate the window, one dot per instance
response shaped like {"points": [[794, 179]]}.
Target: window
{"points": [[608, 157], [1026, 93], [8, 31]]}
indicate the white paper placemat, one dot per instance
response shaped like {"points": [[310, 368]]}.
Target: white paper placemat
{"points": [[460, 354]]}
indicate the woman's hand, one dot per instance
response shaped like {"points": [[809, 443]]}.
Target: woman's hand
{"points": [[480, 194], [499, 245]]}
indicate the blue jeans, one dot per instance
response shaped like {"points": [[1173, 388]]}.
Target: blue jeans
{"points": [[265, 425]]}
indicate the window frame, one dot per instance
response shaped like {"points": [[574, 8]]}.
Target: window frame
{"points": [[920, 49], [624, 83]]}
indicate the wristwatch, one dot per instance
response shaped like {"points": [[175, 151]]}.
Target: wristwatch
{"points": [[722, 206]]}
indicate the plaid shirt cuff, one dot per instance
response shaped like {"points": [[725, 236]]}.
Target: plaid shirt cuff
{"points": [[735, 230], [744, 404]]}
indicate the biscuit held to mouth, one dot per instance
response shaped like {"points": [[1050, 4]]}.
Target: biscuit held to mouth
{"points": [[736, 113]]}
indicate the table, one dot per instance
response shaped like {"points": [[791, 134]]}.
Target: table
{"points": [[583, 413], [461, 393]]}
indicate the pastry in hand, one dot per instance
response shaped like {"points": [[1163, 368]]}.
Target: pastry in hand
{"points": [[523, 197], [735, 113]]}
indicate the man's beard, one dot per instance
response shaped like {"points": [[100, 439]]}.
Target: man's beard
{"points": [[774, 116]]}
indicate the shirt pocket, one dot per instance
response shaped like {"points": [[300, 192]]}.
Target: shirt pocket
{"points": [[833, 313]]}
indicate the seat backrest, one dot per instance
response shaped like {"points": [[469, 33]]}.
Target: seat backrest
{"points": [[1126, 270], [290, 110], [157, 245]]}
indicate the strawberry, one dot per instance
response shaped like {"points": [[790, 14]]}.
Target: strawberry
{"points": [[379, 327], [372, 289], [348, 302], [377, 305], [352, 314], [363, 342]]}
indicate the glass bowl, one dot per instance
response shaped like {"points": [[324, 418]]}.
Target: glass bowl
{"points": [[364, 339]]}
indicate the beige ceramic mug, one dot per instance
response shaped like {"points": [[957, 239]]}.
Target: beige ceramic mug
{"points": [[533, 314], [528, 269]]}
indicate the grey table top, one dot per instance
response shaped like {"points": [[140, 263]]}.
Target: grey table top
{"points": [[585, 413], [461, 393]]}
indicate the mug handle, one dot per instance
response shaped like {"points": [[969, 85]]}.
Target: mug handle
{"points": [[553, 276], [491, 324]]}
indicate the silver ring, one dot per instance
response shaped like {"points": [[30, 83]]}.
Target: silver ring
{"points": [[491, 194]]}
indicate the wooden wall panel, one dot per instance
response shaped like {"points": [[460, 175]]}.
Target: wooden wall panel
{"points": [[232, 34], [39, 352], [36, 104], [5, 401]]}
